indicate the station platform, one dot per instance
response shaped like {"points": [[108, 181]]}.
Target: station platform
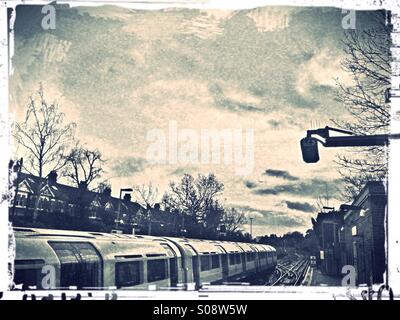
{"points": [[316, 278]]}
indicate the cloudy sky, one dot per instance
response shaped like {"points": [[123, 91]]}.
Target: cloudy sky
{"points": [[121, 74]]}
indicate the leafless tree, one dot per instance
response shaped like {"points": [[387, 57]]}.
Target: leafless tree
{"points": [[146, 195], [192, 196], [83, 165], [368, 59], [102, 186], [43, 135], [233, 219]]}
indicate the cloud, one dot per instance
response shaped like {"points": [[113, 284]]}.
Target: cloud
{"points": [[250, 184], [309, 188], [300, 206], [128, 166], [280, 174], [272, 218]]}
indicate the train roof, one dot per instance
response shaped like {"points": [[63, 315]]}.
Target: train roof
{"points": [[143, 245]]}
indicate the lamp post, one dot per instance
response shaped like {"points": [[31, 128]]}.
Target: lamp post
{"points": [[18, 167], [119, 204], [251, 228], [309, 144]]}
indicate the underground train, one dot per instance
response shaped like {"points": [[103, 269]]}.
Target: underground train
{"points": [[90, 260]]}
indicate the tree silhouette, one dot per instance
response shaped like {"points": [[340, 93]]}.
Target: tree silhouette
{"points": [[368, 59], [43, 135], [83, 165]]}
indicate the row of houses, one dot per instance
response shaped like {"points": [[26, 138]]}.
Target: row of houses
{"points": [[44, 202], [354, 235]]}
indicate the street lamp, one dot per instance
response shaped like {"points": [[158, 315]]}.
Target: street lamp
{"points": [[119, 204], [309, 144], [251, 228]]}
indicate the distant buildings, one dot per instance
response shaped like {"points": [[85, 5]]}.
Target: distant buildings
{"points": [[355, 235]]}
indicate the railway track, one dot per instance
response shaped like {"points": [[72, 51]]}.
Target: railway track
{"points": [[291, 273]]}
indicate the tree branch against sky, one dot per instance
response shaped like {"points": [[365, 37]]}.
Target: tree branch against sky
{"points": [[83, 165], [43, 135], [367, 61], [146, 195]]}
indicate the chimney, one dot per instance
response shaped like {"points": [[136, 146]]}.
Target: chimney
{"points": [[127, 197], [52, 177], [83, 185], [107, 192]]}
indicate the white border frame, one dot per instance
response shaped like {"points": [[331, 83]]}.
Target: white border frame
{"points": [[234, 293]]}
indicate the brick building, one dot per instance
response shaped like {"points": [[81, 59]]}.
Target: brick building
{"points": [[355, 235], [363, 233], [327, 227]]}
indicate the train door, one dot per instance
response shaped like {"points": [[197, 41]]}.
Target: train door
{"points": [[80, 264], [224, 264], [243, 254], [173, 265], [256, 258], [195, 264], [173, 271], [196, 272]]}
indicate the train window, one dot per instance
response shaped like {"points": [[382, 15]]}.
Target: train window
{"points": [[156, 270], [250, 256], [28, 273], [205, 262], [128, 274], [215, 261], [232, 259], [237, 258], [80, 264]]}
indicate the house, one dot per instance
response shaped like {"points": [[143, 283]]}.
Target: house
{"points": [[44, 202]]}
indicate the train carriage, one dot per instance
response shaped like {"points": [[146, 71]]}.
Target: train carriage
{"points": [[90, 260]]}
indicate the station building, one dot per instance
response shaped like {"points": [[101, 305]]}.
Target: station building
{"points": [[355, 235], [363, 233]]}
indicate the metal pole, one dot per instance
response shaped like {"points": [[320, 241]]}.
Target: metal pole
{"points": [[251, 228], [19, 164], [119, 209]]}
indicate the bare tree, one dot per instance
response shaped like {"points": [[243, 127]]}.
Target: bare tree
{"points": [[43, 135], [191, 196], [368, 59], [83, 165], [146, 195], [233, 219], [195, 200], [103, 186]]}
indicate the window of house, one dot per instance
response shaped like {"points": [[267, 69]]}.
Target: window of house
{"points": [[156, 270], [21, 200], [92, 213], [128, 274], [53, 205]]}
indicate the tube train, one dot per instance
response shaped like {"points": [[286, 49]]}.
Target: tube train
{"points": [[93, 260]]}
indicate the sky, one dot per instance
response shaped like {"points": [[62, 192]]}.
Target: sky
{"points": [[131, 78]]}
